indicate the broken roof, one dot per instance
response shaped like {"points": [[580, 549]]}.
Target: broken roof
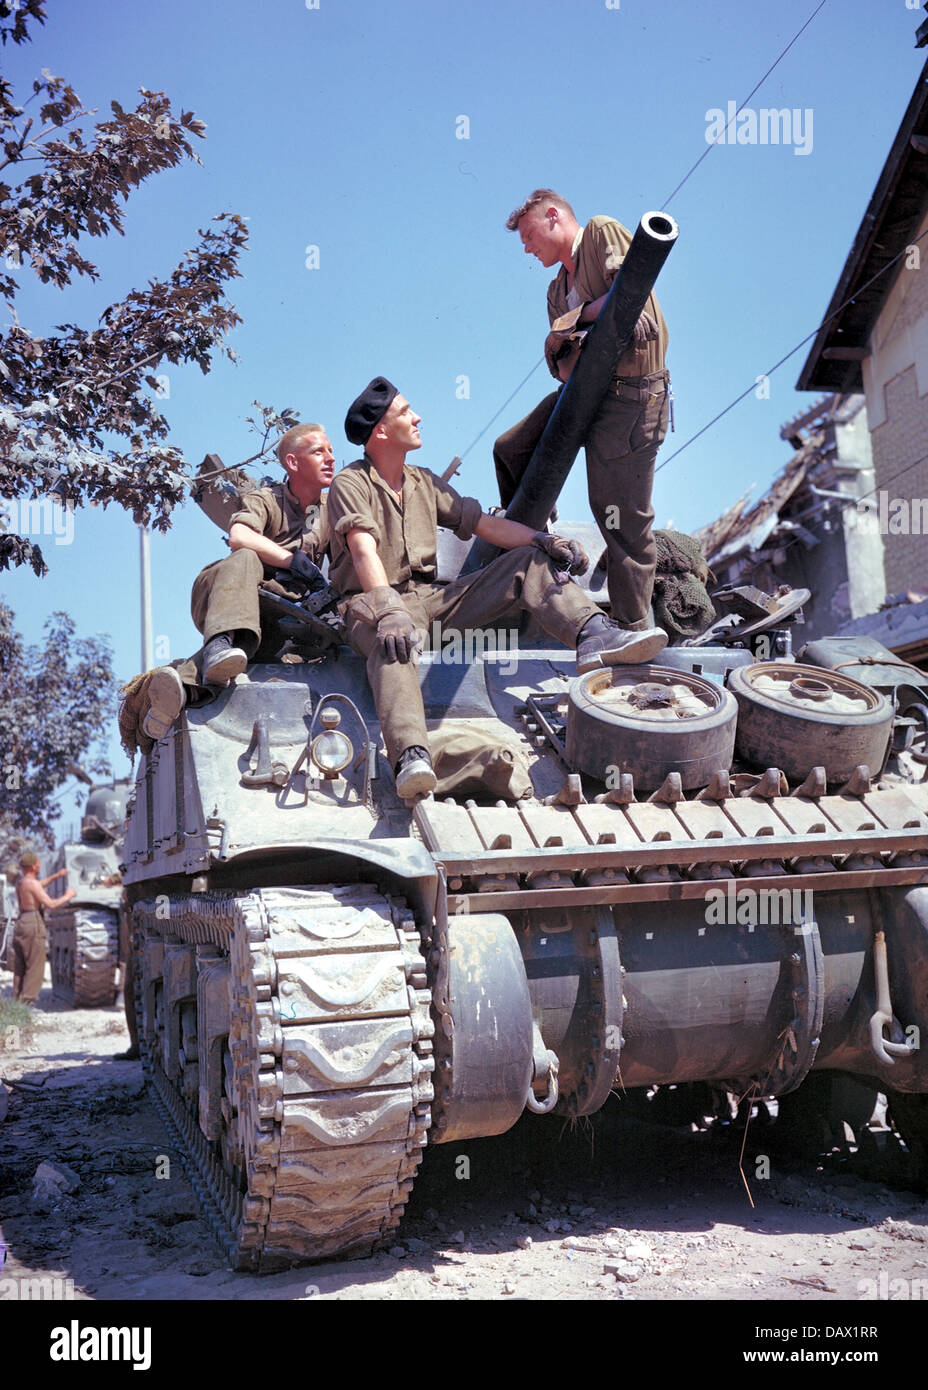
{"points": [[738, 531], [891, 219]]}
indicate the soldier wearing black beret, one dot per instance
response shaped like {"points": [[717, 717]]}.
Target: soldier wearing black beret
{"points": [[383, 519]]}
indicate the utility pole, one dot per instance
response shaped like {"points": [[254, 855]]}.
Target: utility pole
{"points": [[148, 652]]}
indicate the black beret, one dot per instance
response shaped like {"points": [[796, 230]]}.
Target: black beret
{"points": [[369, 409]]}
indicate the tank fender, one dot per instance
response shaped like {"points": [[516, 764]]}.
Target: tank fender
{"points": [[406, 864]]}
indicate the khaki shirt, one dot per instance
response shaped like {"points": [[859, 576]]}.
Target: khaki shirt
{"points": [[603, 246], [405, 531], [275, 512]]}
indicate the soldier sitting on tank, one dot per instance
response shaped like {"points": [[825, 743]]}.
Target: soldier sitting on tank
{"points": [[29, 939], [383, 515], [281, 527]]}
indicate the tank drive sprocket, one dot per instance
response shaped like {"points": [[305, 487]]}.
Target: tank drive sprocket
{"points": [[287, 1040]]}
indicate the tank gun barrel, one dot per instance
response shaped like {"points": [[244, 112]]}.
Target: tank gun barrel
{"points": [[610, 335]]}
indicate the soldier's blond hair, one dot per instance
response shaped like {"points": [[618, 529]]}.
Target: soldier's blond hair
{"points": [[293, 436], [541, 195]]}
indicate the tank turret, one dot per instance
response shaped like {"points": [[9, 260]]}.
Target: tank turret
{"points": [[104, 817]]}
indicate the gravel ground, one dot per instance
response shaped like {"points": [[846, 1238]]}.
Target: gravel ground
{"points": [[617, 1209]]}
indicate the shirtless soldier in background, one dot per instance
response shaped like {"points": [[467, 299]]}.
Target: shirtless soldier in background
{"points": [[29, 939]]}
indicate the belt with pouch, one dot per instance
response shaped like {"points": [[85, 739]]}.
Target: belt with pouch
{"points": [[641, 388]]}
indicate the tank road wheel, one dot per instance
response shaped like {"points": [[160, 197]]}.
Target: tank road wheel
{"points": [[799, 717], [909, 1114], [84, 954], [650, 721], [287, 1034]]}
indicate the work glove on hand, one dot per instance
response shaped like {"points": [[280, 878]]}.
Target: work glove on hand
{"points": [[645, 329], [567, 555], [302, 567], [554, 346], [561, 352], [399, 639], [383, 609]]}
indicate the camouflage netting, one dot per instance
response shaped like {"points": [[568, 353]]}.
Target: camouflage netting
{"points": [[682, 606]]}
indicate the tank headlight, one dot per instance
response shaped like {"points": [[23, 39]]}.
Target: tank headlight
{"points": [[331, 751]]}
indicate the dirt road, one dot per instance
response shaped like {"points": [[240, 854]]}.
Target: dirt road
{"points": [[614, 1209]]}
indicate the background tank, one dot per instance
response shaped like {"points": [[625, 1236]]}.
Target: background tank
{"points": [[9, 911], [83, 936]]}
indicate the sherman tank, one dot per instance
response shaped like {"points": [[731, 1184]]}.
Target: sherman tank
{"points": [[328, 979], [83, 936], [9, 911]]}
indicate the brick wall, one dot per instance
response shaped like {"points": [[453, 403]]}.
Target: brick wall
{"points": [[897, 443]]}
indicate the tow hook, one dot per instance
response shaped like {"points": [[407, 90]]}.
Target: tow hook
{"points": [[883, 1017], [544, 1073], [266, 773]]}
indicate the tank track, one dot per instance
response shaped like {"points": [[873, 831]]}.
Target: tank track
{"points": [[84, 953], [326, 1067]]}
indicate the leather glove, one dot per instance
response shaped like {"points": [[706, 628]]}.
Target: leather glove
{"points": [[567, 555], [399, 639], [302, 567], [561, 353], [645, 329], [554, 346], [383, 609]]}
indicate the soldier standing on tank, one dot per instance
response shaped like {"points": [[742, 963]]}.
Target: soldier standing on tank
{"points": [[29, 939], [383, 518], [622, 442], [281, 527]]}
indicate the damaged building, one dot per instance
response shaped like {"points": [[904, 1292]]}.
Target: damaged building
{"points": [[847, 517], [814, 528]]}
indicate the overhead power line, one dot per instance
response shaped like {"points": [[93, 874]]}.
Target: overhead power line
{"points": [[770, 371], [499, 412], [689, 172], [884, 482], [754, 89]]}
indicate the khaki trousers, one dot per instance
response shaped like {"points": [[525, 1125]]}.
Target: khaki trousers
{"points": [[225, 596], [224, 599], [29, 942], [518, 581], [128, 977], [512, 451], [621, 447]]}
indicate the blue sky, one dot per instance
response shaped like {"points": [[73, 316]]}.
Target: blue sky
{"points": [[337, 127]]}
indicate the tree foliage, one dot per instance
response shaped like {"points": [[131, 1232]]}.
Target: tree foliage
{"points": [[56, 700], [67, 394]]}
